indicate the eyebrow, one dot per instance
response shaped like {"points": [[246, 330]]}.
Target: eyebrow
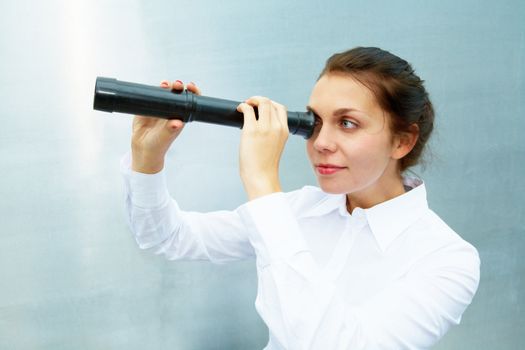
{"points": [[337, 112]]}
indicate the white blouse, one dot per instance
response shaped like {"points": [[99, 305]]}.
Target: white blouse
{"points": [[393, 276]]}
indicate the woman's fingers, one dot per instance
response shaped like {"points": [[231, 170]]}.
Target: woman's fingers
{"points": [[282, 115], [249, 116], [193, 88], [270, 113], [265, 110], [178, 86]]}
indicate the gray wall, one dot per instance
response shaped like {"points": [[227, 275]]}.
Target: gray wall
{"points": [[71, 276]]}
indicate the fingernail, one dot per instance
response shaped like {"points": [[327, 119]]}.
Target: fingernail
{"points": [[191, 82], [178, 81], [164, 84]]}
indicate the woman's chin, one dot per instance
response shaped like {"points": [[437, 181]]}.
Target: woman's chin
{"points": [[331, 187]]}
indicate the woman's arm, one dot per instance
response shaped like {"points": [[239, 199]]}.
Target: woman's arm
{"points": [[157, 222], [155, 218]]}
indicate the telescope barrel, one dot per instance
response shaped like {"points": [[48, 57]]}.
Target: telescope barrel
{"points": [[112, 95]]}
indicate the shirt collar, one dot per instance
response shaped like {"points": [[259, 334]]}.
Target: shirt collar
{"points": [[389, 219], [386, 220], [326, 204]]}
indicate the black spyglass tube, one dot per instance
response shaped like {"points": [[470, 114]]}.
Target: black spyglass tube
{"points": [[112, 95]]}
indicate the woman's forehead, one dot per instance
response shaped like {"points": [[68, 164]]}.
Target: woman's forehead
{"points": [[336, 91]]}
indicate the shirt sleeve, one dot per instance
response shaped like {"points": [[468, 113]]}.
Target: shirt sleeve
{"points": [[305, 310], [157, 222]]}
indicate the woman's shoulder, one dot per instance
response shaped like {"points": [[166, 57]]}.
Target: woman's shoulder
{"points": [[449, 256], [440, 238]]}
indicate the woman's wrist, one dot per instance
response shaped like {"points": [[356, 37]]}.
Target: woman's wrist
{"points": [[258, 186], [146, 165]]}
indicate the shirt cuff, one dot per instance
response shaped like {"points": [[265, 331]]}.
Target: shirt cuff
{"points": [[147, 191], [272, 228]]}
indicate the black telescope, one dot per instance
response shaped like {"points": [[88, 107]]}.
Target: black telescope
{"points": [[112, 95]]}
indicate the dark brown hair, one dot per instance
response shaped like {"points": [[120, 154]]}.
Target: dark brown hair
{"points": [[398, 90]]}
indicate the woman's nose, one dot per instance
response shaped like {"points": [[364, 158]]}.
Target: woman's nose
{"points": [[324, 140]]}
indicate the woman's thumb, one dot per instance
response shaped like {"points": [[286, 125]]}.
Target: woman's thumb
{"points": [[175, 125]]}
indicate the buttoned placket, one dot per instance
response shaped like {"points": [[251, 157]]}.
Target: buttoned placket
{"points": [[354, 224]]}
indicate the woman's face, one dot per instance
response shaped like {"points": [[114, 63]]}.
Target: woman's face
{"points": [[352, 147]]}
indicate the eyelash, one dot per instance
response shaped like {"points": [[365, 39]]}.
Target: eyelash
{"points": [[354, 125]]}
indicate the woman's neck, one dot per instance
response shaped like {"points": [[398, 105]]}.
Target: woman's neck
{"points": [[382, 190]]}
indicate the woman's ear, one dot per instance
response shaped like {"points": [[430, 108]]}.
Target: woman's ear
{"points": [[405, 141]]}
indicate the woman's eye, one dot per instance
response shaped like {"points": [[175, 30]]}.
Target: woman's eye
{"points": [[348, 124]]}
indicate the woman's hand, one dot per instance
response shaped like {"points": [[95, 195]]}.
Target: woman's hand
{"points": [[152, 137], [262, 144]]}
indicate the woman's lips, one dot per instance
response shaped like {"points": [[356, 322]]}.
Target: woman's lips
{"points": [[328, 169]]}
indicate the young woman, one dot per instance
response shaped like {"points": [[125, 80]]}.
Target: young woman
{"points": [[359, 262]]}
